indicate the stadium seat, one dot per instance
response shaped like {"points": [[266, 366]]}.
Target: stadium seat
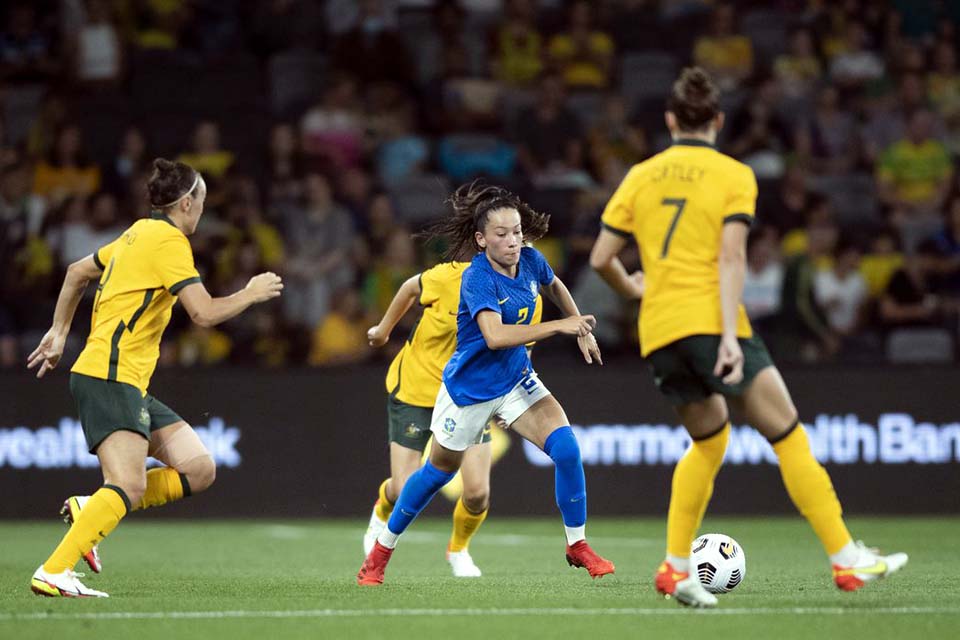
{"points": [[296, 81], [917, 345], [420, 198], [647, 75]]}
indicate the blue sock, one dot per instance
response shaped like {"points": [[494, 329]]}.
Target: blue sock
{"points": [[571, 485], [417, 494]]}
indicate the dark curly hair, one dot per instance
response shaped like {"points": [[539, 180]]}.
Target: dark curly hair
{"points": [[169, 182], [694, 100], [471, 205]]}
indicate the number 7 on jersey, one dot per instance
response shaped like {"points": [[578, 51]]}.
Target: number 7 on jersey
{"points": [[679, 203]]}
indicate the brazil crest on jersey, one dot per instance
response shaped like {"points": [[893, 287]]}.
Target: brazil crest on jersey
{"points": [[475, 373]]}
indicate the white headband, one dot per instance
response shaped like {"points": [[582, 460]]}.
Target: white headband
{"points": [[196, 181]]}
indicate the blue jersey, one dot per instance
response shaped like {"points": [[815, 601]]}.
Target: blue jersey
{"points": [[475, 373]]}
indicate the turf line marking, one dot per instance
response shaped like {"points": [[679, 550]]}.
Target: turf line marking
{"points": [[404, 613]]}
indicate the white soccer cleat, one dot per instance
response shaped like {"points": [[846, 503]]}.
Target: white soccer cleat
{"points": [[373, 530], [70, 511], [462, 564], [62, 585], [870, 565]]}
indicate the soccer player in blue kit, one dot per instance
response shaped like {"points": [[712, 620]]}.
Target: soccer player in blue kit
{"points": [[490, 373]]}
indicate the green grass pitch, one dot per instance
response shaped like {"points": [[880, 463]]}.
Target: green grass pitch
{"points": [[295, 579]]}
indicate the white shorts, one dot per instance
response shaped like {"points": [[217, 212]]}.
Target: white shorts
{"points": [[457, 428]]}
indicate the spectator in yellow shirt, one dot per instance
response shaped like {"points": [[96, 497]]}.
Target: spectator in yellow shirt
{"points": [[66, 171], [583, 54], [341, 337], [725, 54]]}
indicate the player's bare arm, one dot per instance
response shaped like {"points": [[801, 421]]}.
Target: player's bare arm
{"points": [[48, 352], [504, 336], [605, 261], [208, 311], [559, 295], [733, 269], [406, 295]]}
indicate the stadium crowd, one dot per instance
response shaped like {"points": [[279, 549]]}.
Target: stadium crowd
{"points": [[329, 133]]}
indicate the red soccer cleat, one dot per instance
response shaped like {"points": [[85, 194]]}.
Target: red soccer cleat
{"points": [[579, 554], [373, 567], [682, 586]]}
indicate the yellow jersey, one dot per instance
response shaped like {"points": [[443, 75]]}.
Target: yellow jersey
{"points": [[143, 270], [416, 372], [675, 205]]}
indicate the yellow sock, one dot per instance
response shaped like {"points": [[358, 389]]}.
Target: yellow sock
{"points": [[465, 524], [692, 488], [100, 515], [810, 489], [164, 485], [383, 507]]}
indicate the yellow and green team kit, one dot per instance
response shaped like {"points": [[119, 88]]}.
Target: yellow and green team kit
{"points": [[675, 205], [143, 270]]}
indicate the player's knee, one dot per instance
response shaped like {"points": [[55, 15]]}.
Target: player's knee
{"points": [[476, 499], [201, 473], [133, 485], [562, 447]]}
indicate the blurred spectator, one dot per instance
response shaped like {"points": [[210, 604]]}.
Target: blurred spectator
{"points": [[207, 157], [827, 142], [377, 226], [95, 48], [66, 171], [763, 283], [332, 131], [284, 179], [42, 135], [816, 214], [391, 268], [784, 208], [943, 82], [372, 51], [26, 52], [634, 25], [802, 327], [202, 345], [726, 54], [320, 235], [341, 337], [247, 231], [616, 136], [887, 123], [914, 176], [466, 156], [402, 153], [459, 99], [87, 226], [882, 261], [758, 136], [450, 37], [947, 243], [582, 53], [909, 300], [549, 134], [130, 161], [343, 15], [517, 51], [355, 189], [841, 291], [855, 65], [799, 70], [161, 24]]}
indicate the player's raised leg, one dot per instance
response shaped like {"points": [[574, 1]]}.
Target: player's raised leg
{"points": [[471, 509], [545, 424], [124, 483], [768, 406]]}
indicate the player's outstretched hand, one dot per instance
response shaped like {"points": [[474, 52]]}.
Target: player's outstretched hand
{"points": [[589, 348], [729, 361], [377, 337], [265, 286], [577, 325], [47, 354]]}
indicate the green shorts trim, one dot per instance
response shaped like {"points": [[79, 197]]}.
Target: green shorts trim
{"points": [[683, 370], [409, 426], [105, 406]]}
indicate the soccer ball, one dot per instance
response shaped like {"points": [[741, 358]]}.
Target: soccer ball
{"points": [[719, 562]]}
